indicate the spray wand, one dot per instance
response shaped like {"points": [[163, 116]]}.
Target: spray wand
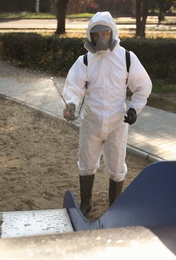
{"points": [[68, 114]]}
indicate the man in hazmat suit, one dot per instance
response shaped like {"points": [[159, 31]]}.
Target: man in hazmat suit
{"points": [[105, 118]]}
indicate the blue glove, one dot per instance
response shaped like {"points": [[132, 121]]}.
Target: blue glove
{"points": [[131, 116]]}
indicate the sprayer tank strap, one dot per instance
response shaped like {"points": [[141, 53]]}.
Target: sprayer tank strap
{"points": [[127, 55], [128, 62]]}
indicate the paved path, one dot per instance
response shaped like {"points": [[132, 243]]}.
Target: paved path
{"points": [[74, 24], [153, 136]]}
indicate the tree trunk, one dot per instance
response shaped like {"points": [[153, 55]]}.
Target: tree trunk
{"points": [[141, 17], [37, 6], [61, 16], [161, 12], [144, 17], [85, 6], [138, 17]]}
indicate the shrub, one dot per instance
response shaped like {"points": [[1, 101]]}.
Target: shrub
{"points": [[56, 55], [37, 52], [157, 56]]}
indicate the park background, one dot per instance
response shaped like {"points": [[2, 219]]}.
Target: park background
{"points": [[146, 27], [39, 152]]}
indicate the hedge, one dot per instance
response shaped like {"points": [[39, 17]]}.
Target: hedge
{"points": [[43, 53], [157, 55], [56, 55]]}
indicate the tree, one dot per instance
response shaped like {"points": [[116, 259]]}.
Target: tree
{"points": [[164, 5], [37, 6], [61, 15], [141, 17]]}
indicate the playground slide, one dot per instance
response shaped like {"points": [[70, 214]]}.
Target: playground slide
{"points": [[148, 201]]}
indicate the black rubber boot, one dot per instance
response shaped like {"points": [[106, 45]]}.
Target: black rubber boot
{"points": [[86, 185], [115, 189]]}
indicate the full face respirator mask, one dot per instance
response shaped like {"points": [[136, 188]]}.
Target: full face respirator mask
{"points": [[101, 43]]}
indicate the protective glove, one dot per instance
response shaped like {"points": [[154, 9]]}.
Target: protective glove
{"points": [[69, 112], [131, 116]]}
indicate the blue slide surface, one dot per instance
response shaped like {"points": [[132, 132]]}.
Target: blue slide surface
{"points": [[150, 200]]}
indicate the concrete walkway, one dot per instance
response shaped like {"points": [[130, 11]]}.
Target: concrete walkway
{"points": [[153, 136], [80, 24]]}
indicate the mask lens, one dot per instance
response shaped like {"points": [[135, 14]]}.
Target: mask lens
{"points": [[101, 40]]}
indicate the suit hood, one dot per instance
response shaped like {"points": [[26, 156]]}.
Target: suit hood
{"points": [[102, 18]]}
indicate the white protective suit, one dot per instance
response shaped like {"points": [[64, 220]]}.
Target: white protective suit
{"points": [[102, 130]]}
